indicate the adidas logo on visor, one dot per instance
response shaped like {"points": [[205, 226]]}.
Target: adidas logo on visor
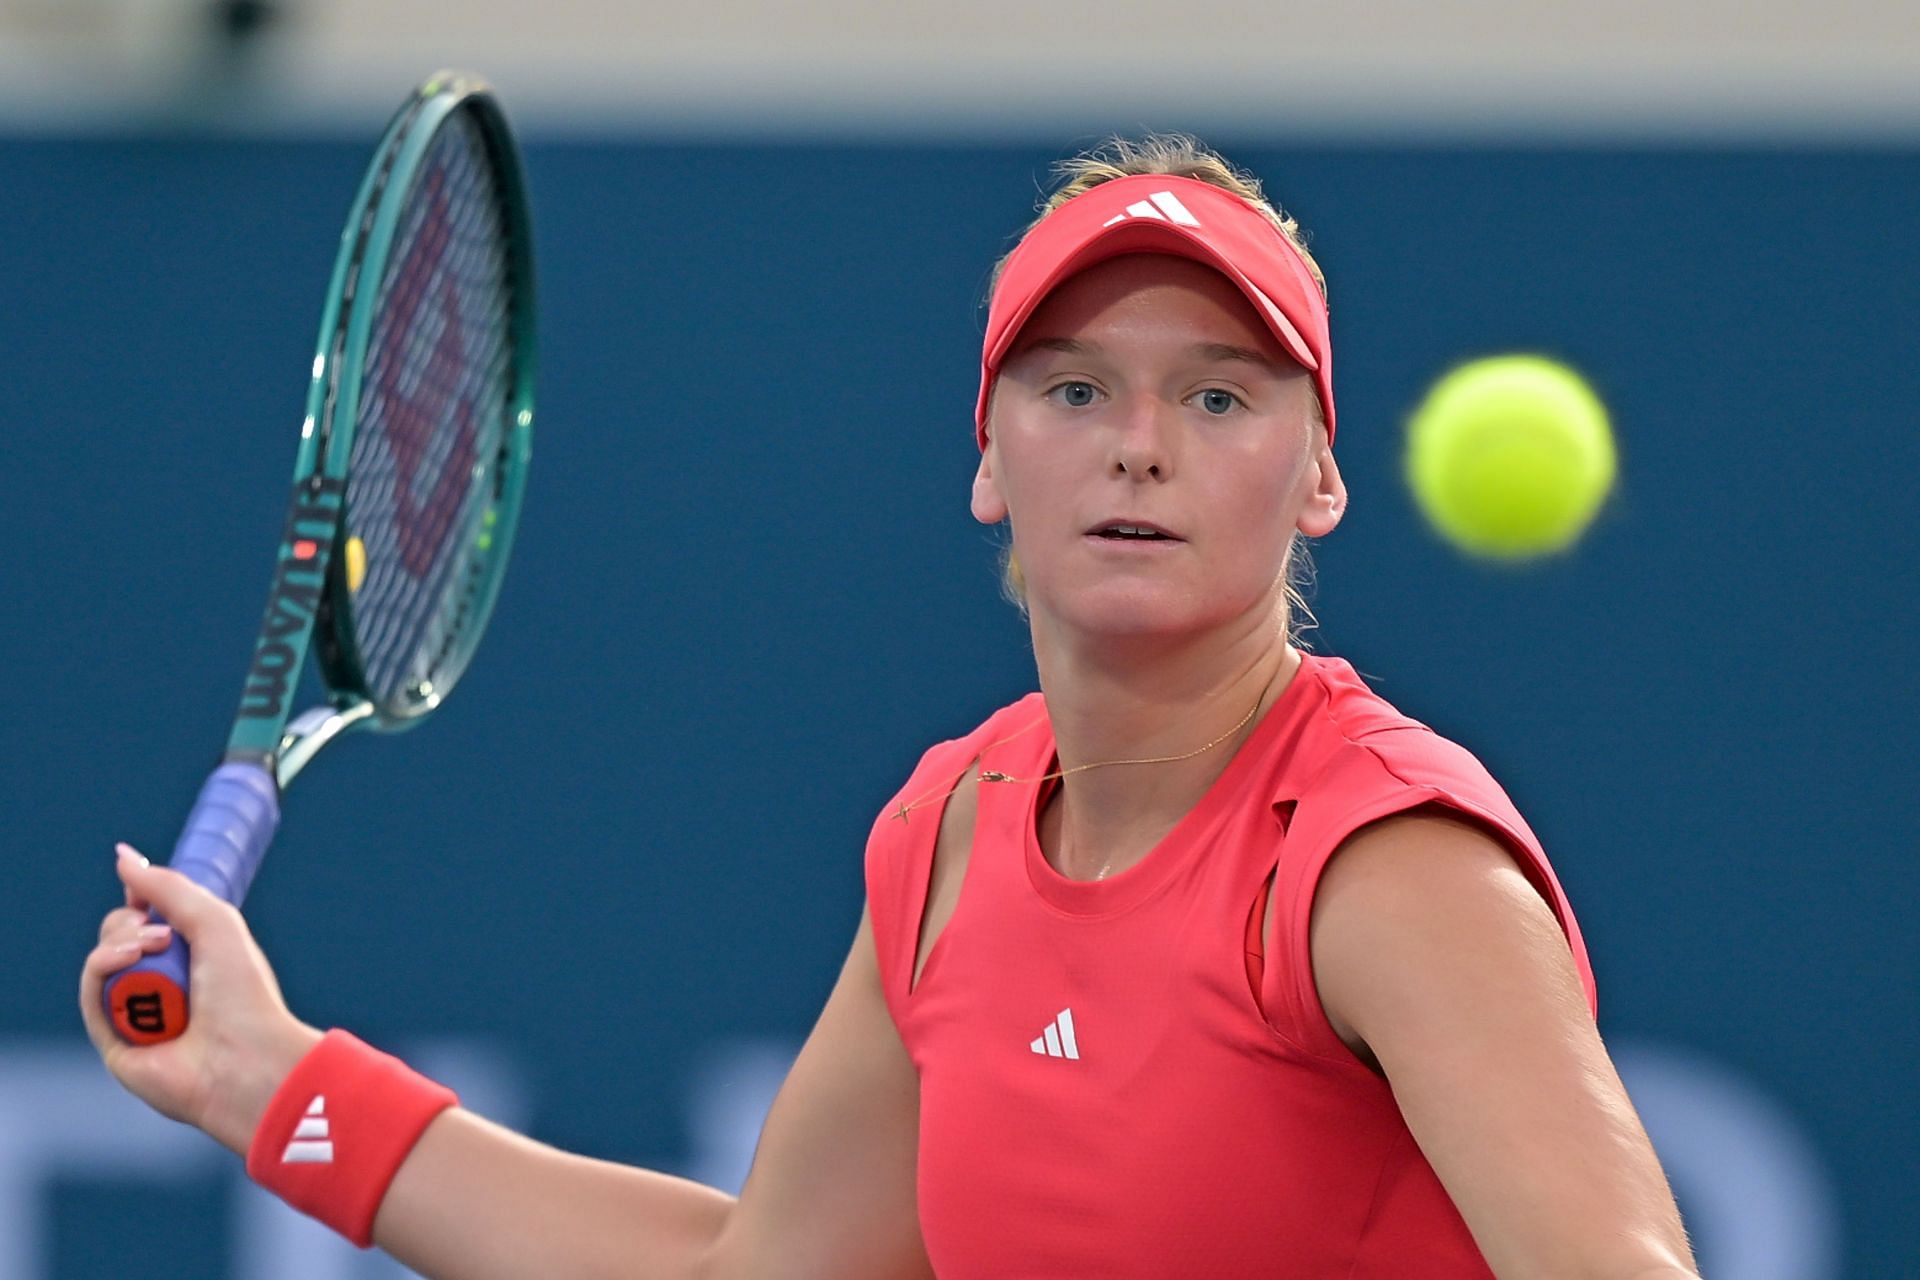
{"points": [[1161, 206]]}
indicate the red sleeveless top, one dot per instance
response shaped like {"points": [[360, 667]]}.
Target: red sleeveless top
{"points": [[1122, 1078]]}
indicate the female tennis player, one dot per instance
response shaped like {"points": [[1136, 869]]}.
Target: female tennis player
{"points": [[1202, 961]]}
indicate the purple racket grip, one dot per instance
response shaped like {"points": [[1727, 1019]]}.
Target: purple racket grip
{"points": [[227, 834]]}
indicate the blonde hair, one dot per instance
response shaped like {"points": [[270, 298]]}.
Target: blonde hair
{"points": [[1181, 156]]}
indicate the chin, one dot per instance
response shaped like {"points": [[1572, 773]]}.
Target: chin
{"points": [[1136, 611]]}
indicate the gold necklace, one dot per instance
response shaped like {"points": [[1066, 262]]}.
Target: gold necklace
{"points": [[995, 775]]}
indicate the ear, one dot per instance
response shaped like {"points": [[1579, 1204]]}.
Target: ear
{"points": [[989, 505], [1328, 500]]}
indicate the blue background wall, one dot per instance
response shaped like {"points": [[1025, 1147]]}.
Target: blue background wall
{"points": [[748, 593]]}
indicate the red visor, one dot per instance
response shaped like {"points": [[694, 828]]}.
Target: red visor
{"points": [[1155, 213]]}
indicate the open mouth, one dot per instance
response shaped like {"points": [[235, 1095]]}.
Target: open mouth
{"points": [[1131, 531]]}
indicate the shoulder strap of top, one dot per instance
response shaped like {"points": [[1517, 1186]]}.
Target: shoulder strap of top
{"points": [[1383, 774], [899, 860]]}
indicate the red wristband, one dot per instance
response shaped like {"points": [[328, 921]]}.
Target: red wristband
{"points": [[338, 1129]]}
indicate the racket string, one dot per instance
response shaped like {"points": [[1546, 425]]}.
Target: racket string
{"points": [[432, 422]]}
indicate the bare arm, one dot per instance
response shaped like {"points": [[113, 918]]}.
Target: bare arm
{"points": [[1435, 956], [831, 1192]]}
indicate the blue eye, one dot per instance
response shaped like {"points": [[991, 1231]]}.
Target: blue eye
{"points": [[1076, 395], [1218, 402]]}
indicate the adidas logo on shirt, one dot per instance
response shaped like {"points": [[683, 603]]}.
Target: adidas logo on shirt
{"points": [[312, 1143], [1161, 206], [1057, 1040]]}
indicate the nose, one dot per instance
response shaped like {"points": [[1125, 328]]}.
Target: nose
{"points": [[1143, 445]]}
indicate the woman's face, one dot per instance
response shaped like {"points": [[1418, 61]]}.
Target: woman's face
{"points": [[1146, 392]]}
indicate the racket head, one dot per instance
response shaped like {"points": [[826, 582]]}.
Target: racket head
{"points": [[421, 407], [422, 384]]}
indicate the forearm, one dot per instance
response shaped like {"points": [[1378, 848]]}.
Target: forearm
{"points": [[474, 1201]]}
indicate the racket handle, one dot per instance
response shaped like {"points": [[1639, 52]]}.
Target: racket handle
{"points": [[227, 834]]}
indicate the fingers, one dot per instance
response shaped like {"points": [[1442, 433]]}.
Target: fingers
{"points": [[126, 931], [119, 921], [185, 904], [135, 937], [120, 946], [102, 963], [125, 936], [121, 851]]}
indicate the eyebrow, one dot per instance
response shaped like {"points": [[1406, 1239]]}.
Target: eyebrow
{"points": [[1070, 346], [1247, 355], [1213, 351]]}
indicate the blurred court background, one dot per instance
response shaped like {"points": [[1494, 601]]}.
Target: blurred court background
{"points": [[608, 887]]}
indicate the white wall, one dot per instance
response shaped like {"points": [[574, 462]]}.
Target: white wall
{"points": [[1606, 68]]}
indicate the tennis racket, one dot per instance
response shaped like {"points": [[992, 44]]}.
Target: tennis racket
{"points": [[413, 455]]}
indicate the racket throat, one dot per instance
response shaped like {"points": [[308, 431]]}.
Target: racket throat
{"points": [[311, 730]]}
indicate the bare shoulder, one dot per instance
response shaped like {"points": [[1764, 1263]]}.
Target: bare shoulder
{"points": [[1440, 964], [1425, 906], [1430, 849]]}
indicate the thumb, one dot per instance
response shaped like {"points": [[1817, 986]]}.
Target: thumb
{"points": [[188, 907]]}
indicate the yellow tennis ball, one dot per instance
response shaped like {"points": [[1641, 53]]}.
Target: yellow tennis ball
{"points": [[1510, 456], [356, 563]]}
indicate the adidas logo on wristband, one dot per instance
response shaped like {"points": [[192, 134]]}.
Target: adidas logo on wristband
{"points": [[384, 1107], [312, 1143]]}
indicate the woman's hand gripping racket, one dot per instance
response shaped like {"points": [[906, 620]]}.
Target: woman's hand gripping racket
{"points": [[405, 494]]}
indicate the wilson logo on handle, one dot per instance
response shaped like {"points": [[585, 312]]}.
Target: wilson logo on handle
{"points": [[147, 1008], [145, 1013]]}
